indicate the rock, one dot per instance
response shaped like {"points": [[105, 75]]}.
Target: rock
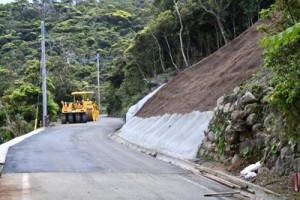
{"points": [[213, 147], [239, 127], [232, 107], [248, 98], [264, 100], [236, 90], [211, 136], [286, 153], [235, 115], [251, 119], [208, 146], [220, 108], [220, 101], [226, 108], [278, 166], [298, 147], [267, 90], [250, 144], [262, 136], [263, 170], [235, 159], [251, 108], [257, 127], [243, 114], [216, 111], [230, 135], [231, 98], [287, 171], [296, 165], [242, 137], [238, 102], [227, 148], [268, 140], [269, 120], [202, 152]]}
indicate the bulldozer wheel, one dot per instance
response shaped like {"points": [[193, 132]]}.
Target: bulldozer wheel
{"points": [[71, 118], [63, 119], [77, 118], [84, 118]]}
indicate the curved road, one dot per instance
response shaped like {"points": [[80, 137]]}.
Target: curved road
{"points": [[80, 161]]}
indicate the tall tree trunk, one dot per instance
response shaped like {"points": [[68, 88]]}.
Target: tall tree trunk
{"points": [[160, 53], [217, 36], [180, 33], [8, 122], [170, 53], [188, 45], [233, 21], [218, 17], [222, 29]]}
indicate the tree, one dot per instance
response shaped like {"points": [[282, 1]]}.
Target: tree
{"points": [[282, 51], [176, 4], [217, 8]]}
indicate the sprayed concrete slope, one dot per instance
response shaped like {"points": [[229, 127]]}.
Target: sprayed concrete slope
{"points": [[176, 135]]}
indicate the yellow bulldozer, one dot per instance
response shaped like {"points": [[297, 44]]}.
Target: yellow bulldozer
{"points": [[82, 109]]}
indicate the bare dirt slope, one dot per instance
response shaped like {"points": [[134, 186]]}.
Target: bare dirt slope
{"points": [[198, 87]]}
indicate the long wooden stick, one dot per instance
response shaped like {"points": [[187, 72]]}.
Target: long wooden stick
{"points": [[221, 194]]}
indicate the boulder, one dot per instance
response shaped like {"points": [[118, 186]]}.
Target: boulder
{"points": [[230, 135], [286, 153], [220, 101], [264, 100], [296, 165], [211, 136], [248, 98], [250, 144], [257, 127], [243, 114], [251, 108], [298, 147], [239, 127], [268, 120], [236, 159], [236, 90], [238, 102], [251, 119], [226, 108], [243, 137], [267, 90], [235, 115]]}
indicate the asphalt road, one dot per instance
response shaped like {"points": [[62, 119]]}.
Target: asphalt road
{"points": [[80, 161]]}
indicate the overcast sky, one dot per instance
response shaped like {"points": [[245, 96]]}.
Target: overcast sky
{"points": [[8, 1]]}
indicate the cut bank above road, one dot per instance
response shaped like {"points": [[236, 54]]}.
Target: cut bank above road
{"points": [[198, 87]]}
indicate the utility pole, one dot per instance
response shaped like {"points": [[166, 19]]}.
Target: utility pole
{"points": [[98, 79], [44, 86]]}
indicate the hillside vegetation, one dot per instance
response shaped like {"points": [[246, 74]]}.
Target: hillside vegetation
{"points": [[142, 40]]}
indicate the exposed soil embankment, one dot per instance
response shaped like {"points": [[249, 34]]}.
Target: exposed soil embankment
{"points": [[198, 87]]}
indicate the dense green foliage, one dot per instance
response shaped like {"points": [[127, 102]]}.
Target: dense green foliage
{"points": [[282, 53], [75, 32], [143, 39]]}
